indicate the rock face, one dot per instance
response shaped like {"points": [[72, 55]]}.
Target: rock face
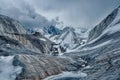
{"points": [[39, 67], [98, 30], [9, 26], [16, 37]]}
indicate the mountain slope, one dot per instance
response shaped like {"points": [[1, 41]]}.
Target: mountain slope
{"points": [[29, 53], [111, 20], [69, 38], [8, 25], [14, 36], [102, 51]]}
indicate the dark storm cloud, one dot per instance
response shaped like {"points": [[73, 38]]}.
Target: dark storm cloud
{"points": [[85, 13]]}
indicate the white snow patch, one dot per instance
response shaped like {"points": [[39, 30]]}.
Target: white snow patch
{"points": [[114, 29], [68, 50], [7, 70], [87, 67], [67, 74], [42, 39], [97, 46]]}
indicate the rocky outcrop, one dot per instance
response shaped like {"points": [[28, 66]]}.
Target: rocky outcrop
{"points": [[37, 67]]}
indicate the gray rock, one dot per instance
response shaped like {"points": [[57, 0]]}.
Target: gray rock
{"points": [[37, 67]]}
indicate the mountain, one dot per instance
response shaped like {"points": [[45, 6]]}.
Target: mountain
{"points": [[110, 21], [102, 50], [24, 55], [69, 38], [9, 26], [28, 54], [17, 39]]}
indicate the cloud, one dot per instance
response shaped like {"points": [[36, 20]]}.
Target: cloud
{"points": [[84, 13], [23, 12]]}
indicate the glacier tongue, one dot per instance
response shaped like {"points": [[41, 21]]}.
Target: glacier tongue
{"points": [[7, 70]]}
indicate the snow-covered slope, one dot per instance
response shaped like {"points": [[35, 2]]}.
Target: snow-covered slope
{"points": [[69, 38], [107, 30], [108, 26]]}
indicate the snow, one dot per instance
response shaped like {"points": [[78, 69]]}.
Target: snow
{"points": [[82, 31], [68, 40], [97, 46], [68, 50], [112, 28], [42, 39], [116, 27], [63, 35], [78, 74], [7, 70], [87, 67]]}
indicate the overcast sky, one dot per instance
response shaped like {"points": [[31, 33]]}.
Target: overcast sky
{"points": [[84, 13]]}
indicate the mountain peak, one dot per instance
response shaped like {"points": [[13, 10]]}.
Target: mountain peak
{"points": [[105, 23]]}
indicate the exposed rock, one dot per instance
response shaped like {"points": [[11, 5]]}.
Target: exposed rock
{"points": [[98, 30], [37, 67], [8, 25], [12, 31]]}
